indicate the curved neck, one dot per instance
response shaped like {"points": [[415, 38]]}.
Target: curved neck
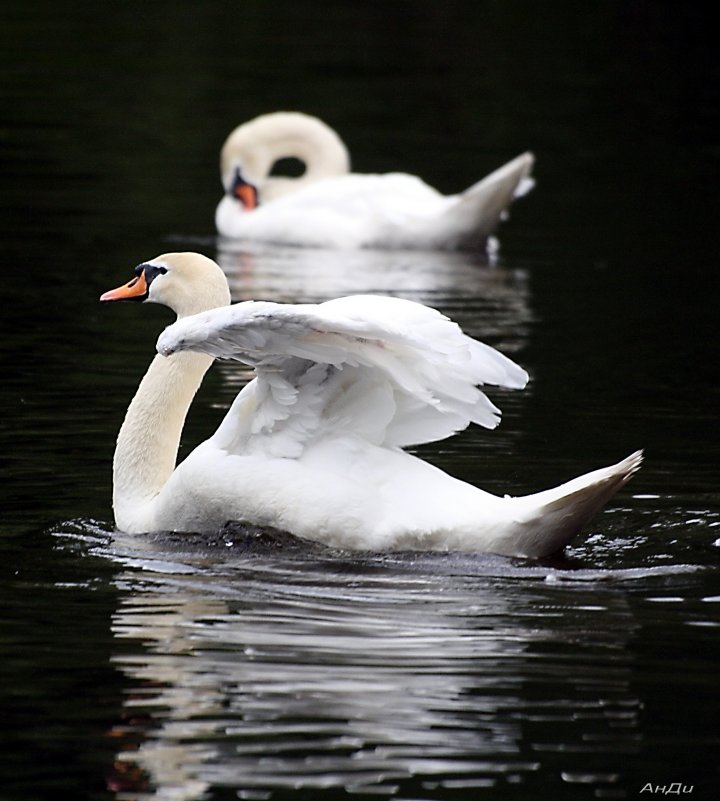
{"points": [[257, 145], [149, 437]]}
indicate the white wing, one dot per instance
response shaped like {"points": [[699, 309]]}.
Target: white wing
{"points": [[394, 371]]}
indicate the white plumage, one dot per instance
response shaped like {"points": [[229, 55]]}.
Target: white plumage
{"points": [[313, 444], [330, 207], [429, 369]]}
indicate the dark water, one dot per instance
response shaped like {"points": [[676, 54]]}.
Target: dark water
{"points": [[259, 667]]}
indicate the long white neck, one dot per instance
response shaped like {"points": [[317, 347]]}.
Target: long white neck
{"points": [[149, 437], [258, 144]]}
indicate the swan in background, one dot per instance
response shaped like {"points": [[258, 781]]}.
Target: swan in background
{"points": [[314, 443], [330, 207]]}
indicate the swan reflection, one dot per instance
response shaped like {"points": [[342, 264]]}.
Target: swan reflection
{"points": [[309, 275], [275, 673]]}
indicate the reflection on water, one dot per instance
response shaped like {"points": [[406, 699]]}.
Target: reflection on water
{"points": [[284, 273], [411, 676]]}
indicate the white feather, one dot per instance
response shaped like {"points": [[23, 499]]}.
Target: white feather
{"points": [[330, 207], [431, 370]]}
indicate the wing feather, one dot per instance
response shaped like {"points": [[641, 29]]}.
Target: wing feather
{"points": [[433, 369]]}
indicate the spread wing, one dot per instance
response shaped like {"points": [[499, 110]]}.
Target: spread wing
{"points": [[391, 370]]}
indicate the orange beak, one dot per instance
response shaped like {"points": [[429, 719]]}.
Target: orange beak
{"points": [[247, 195], [137, 289]]}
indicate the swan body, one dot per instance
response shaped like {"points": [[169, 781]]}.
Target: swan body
{"points": [[314, 444], [330, 207]]}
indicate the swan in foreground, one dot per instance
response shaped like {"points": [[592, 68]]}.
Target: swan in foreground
{"points": [[330, 207], [314, 443]]}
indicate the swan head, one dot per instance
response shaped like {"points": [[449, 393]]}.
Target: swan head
{"points": [[188, 283], [250, 151]]}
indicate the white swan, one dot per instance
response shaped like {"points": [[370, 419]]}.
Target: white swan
{"points": [[313, 445], [330, 207]]}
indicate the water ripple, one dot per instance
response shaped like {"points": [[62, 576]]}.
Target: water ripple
{"points": [[261, 663]]}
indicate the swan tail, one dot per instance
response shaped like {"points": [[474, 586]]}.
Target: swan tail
{"points": [[479, 210], [557, 515]]}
